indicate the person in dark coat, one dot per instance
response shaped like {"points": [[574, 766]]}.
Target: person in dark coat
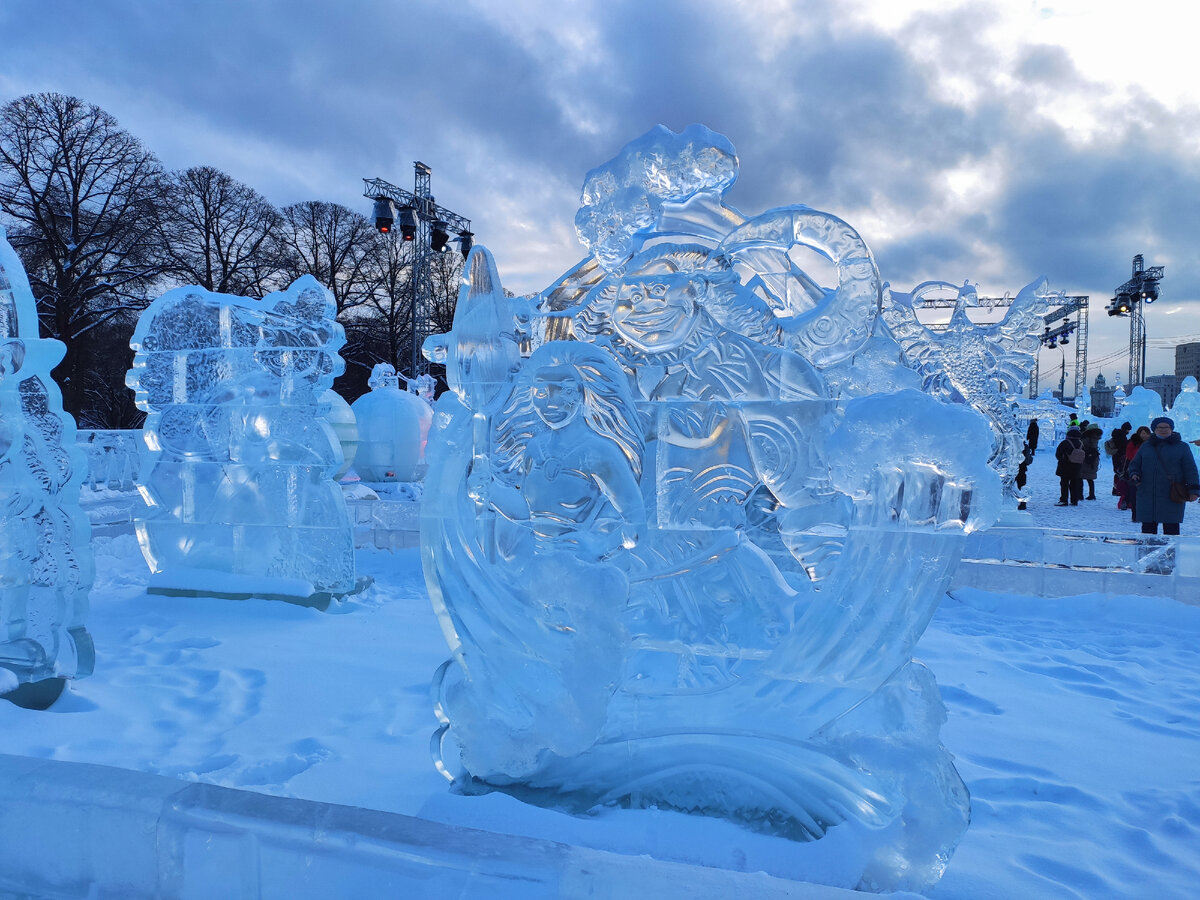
{"points": [[1136, 440], [1031, 435], [1069, 454], [1162, 459], [1115, 447], [1091, 458]]}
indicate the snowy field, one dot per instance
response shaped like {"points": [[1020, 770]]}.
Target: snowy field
{"points": [[1075, 723]]}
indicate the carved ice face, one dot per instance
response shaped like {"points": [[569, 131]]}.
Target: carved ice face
{"points": [[556, 396], [655, 314]]}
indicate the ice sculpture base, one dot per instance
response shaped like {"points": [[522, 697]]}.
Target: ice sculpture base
{"points": [[76, 829], [26, 663], [182, 582]]}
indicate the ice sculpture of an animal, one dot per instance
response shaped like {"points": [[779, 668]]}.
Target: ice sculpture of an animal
{"points": [[985, 366], [672, 569], [45, 554], [238, 463]]}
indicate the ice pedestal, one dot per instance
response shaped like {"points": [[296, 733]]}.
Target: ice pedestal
{"points": [[684, 572], [239, 461], [45, 557]]}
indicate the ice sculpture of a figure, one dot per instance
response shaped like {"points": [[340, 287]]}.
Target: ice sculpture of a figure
{"points": [[1186, 410], [985, 366], [681, 573], [239, 459], [45, 555], [1141, 407]]}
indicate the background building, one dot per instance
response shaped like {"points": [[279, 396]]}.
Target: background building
{"points": [[1187, 360], [1166, 386], [1102, 398]]}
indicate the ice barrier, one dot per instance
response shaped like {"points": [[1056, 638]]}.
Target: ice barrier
{"points": [[80, 830], [705, 520], [45, 558], [238, 462]]}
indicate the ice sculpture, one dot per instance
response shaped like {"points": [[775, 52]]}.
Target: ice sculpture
{"points": [[986, 366], [238, 465], [1142, 406], [393, 426], [683, 573], [45, 555], [1185, 411]]}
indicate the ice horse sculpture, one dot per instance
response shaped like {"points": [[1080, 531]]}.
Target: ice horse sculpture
{"points": [[45, 555], [680, 573], [238, 464], [985, 366]]}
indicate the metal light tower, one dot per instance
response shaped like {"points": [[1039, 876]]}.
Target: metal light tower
{"points": [[1141, 288], [1056, 334], [428, 227]]}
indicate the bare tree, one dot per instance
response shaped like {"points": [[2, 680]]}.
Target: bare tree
{"points": [[80, 194], [218, 233], [334, 244], [445, 275]]}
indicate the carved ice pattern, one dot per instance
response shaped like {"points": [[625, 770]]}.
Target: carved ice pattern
{"points": [[238, 459], [45, 557], [685, 570]]}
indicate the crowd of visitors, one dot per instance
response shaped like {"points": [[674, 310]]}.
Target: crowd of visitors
{"points": [[1154, 471]]}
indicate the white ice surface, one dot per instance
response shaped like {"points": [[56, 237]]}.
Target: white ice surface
{"points": [[1075, 722]]}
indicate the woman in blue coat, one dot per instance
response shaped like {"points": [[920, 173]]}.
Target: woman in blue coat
{"points": [[1163, 458]]}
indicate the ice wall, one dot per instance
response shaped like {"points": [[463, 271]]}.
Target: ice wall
{"points": [[697, 543], [45, 557], [239, 459]]}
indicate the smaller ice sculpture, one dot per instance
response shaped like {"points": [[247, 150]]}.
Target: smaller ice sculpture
{"points": [[679, 546], [238, 460], [1083, 403], [45, 555], [1186, 412], [1141, 407], [985, 366], [393, 426]]}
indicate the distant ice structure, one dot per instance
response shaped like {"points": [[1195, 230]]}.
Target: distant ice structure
{"points": [[698, 543], [45, 554], [1142, 406], [985, 366], [1185, 411], [393, 427], [238, 466], [1083, 403]]}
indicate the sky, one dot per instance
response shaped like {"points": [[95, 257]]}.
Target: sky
{"points": [[990, 141]]}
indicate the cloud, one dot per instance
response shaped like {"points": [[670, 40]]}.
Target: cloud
{"points": [[963, 141]]}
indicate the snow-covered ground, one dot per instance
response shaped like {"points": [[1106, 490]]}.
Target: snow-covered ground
{"points": [[1075, 722]]}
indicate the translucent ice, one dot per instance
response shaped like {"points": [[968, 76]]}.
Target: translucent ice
{"points": [[393, 426], [1141, 407], [985, 366], [706, 518], [239, 460], [45, 556], [1186, 410]]}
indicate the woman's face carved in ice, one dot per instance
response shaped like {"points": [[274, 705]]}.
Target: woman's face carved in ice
{"points": [[556, 395]]}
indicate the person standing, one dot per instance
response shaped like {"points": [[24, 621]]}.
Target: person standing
{"points": [[1091, 458], [1115, 447], [1129, 494], [1162, 463], [1031, 435], [1070, 456]]}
